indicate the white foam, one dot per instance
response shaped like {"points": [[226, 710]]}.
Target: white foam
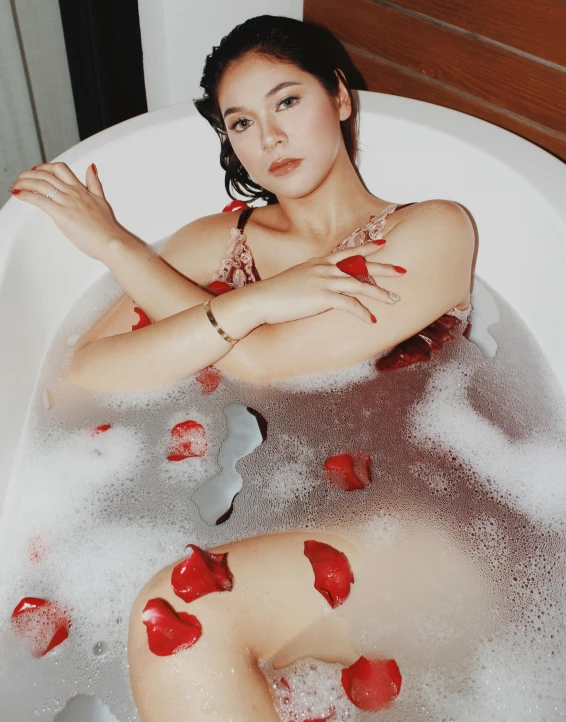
{"points": [[528, 474]]}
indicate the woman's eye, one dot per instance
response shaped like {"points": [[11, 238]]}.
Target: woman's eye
{"points": [[237, 125], [290, 97]]}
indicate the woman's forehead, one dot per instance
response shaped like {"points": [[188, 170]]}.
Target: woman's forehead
{"points": [[254, 77]]}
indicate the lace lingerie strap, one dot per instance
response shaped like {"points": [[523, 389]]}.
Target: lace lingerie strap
{"points": [[237, 267]]}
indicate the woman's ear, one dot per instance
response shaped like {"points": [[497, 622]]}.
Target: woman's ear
{"points": [[344, 102]]}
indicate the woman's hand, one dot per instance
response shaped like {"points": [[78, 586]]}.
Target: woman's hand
{"points": [[80, 211], [318, 285]]}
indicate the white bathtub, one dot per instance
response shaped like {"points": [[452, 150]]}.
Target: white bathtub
{"points": [[161, 170]]}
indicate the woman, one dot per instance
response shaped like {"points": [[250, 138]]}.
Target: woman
{"points": [[275, 90]]}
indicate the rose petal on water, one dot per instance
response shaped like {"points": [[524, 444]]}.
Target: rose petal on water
{"points": [[372, 684]]}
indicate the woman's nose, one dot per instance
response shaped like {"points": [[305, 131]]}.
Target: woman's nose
{"points": [[272, 135]]}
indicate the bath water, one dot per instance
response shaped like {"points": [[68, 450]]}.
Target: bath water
{"points": [[464, 522]]}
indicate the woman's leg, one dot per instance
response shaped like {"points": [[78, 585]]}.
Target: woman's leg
{"points": [[272, 603]]}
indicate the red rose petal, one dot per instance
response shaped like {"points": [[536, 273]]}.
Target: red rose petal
{"points": [[418, 348], [209, 378], [372, 684], [219, 287], [144, 319], [332, 572], [189, 440], [168, 631], [235, 206], [356, 266], [201, 573], [101, 429], [349, 471], [43, 624]]}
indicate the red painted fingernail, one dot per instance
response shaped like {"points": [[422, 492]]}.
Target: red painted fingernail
{"points": [[15, 191], [34, 167], [400, 269], [94, 168], [380, 242], [373, 318]]}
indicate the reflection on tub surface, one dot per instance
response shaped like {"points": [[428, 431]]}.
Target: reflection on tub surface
{"points": [[467, 492]]}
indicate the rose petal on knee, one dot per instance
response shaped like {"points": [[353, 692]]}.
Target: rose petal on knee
{"points": [[372, 684], [169, 631], [201, 573], [332, 572]]}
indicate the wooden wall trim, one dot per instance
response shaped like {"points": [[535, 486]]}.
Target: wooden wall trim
{"points": [[401, 48], [537, 27], [389, 77]]}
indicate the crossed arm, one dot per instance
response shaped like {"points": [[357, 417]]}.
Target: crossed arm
{"points": [[436, 245]]}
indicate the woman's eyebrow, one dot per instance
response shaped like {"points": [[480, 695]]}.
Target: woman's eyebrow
{"points": [[286, 84]]}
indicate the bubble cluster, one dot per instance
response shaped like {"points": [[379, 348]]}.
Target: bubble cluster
{"points": [[461, 528]]}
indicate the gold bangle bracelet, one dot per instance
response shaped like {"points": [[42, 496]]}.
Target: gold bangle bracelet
{"points": [[215, 325]]}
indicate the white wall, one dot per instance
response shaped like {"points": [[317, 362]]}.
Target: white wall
{"points": [[177, 35]]}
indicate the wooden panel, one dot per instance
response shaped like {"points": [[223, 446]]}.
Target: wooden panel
{"points": [[534, 26], [500, 77], [384, 77]]}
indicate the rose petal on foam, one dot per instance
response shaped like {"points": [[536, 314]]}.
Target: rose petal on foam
{"points": [[372, 684], [144, 319], [101, 429], [418, 348], [201, 573], [209, 378], [189, 440], [169, 631], [42, 623], [234, 206], [349, 472], [332, 572], [219, 287], [356, 266]]}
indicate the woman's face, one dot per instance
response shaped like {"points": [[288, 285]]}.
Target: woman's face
{"points": [[266, 123]]}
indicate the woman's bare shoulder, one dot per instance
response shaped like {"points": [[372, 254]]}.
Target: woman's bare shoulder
{"points": [[437, 213], [196, 249]]}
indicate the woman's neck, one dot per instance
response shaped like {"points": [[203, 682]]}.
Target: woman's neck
{"points": [[340, 204]]}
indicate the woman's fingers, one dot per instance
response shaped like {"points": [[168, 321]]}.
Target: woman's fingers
{"points": [[42, 185], [353, 306], [59, 170], [385, 269], [366, 249], [353, 287]]}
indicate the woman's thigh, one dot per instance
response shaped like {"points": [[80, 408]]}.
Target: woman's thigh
{"points": [[273, 603]]}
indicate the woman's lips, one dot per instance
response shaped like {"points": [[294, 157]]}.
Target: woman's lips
{"points": [[287, 168]]}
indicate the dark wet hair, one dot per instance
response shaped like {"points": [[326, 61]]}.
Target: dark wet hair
{"points": [[307, 45]]}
